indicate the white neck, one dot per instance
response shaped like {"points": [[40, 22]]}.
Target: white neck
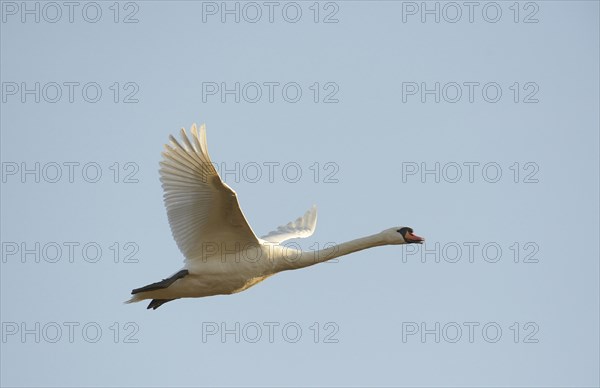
{"points": [[307, 258]]}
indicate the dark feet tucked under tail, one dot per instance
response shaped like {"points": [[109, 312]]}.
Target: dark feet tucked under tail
{"points": [[156, 303], [162, 284]]}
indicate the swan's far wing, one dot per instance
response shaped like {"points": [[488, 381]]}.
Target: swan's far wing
{"points": [[203, 211], [303, 227]]}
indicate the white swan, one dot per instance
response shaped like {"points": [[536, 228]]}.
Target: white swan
{"points": [[222, 253]]}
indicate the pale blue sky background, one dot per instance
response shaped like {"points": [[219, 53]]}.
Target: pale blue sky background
{"points": [[368, 134]]}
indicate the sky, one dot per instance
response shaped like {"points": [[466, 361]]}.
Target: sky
{"points": [[475, 124]]}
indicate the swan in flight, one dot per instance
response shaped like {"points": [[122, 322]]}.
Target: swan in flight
{"points": [[222, 253]]}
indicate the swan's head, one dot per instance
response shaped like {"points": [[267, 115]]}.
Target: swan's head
{"points": [[402, 235]]}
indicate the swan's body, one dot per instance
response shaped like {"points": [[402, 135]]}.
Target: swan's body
{"points": [[223, 255]]}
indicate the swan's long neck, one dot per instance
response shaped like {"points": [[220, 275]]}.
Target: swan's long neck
{"points": [[301, 259]]}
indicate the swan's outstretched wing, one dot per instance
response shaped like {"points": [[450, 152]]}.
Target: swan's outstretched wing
{"points": [[203, 211], [303, 227]]}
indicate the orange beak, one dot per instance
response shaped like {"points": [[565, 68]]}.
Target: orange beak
{"points": [[413, 238]]}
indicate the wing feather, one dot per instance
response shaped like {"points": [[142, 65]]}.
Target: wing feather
{"points": [[303, 227], [201, 208]]}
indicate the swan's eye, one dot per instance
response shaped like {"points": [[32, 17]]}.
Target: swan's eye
{"points": [[403, 231]]}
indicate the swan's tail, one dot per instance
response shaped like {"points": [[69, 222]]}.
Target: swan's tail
{"points": [[135, 298], [158, 288], [154, 303]]}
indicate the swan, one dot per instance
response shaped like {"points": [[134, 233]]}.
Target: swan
{"points": [[222, 253]]}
